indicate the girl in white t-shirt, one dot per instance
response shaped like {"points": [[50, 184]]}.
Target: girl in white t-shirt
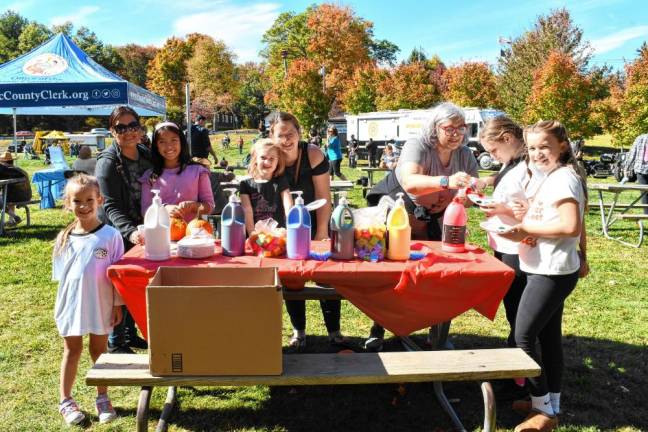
{"points": [[550, 232], [86, 302], [503, 139]]}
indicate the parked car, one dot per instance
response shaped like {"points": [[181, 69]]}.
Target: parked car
{"points": [[100, 131], [484, 159], [602, 168]]}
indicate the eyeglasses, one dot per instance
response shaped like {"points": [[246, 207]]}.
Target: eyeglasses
{"points": [[121, 129], [451, 130]]}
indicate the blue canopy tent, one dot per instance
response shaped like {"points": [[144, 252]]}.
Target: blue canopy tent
{"points": [[58, 78]]}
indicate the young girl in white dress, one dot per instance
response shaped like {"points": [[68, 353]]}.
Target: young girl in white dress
{"points": [[86, 302]]}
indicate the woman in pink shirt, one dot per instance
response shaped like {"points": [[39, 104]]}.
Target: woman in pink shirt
{"points": [[184, 185]]}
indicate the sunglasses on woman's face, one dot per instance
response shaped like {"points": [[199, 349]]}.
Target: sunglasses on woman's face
{"points": [[121, 129]]}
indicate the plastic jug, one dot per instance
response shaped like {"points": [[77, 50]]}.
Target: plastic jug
{"points": [[233, 226], [399, 230], [157, 232], [342, 232], [454, 225], [298, 230]]}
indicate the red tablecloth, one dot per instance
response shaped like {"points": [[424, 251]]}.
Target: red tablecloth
{"points": [[401, 296]]}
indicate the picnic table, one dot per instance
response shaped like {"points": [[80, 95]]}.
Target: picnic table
{"points": [[614, 211], [402, 296], [50, 183], [4, 189], [370, 173]]}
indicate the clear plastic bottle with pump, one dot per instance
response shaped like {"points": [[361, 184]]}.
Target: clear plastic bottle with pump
{"points": [[298, 229], [233, 226], [157, 233], [454, 224], [342, 231], [400, 231]]}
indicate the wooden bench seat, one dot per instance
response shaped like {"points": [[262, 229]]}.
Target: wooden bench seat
{"points": [[329, 369]]}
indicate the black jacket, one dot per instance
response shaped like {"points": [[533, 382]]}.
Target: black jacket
{"points": [[113, 183]]}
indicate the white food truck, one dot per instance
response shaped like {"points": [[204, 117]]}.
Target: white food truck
{"points": [[404, 124]]}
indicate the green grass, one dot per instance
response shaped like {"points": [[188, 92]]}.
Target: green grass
{"points": [[605, 327]]}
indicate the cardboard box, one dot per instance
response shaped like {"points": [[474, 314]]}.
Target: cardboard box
{"points": [[214, 321]]}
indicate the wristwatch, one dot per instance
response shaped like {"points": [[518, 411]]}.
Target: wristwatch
{"points": [[444, 182]]}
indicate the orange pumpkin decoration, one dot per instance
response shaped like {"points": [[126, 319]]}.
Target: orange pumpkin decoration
{"points": [[198, 222], [178, 229]]}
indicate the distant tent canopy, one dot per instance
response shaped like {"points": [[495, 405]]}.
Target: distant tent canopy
{"points": [[58, 78]]}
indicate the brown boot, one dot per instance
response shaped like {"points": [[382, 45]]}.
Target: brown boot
{"points": [[537, 422]]}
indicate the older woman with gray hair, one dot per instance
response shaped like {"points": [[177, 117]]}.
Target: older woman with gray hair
{"points": [[431, 168]]}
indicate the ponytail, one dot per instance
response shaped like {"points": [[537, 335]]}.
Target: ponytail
{"points": [[62, 238]]}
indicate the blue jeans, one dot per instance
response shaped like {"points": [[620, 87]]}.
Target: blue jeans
{"points": [[123, 331]]}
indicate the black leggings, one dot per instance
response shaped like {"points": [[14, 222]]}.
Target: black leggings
{"points": [[514, 294], [539, 319], [330, 309], [334, 168]]}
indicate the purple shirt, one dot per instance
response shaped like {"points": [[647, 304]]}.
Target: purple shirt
{"points": [[192, 184]]}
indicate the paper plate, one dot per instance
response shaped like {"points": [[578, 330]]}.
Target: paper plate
{"points": [[499, 224], [481, 200]]}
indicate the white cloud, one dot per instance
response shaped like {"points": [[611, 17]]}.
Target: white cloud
{"points": [[615, 40], [78, 18], [240, 27]]}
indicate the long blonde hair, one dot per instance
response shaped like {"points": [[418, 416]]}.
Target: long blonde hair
{"points": [[266, 144], [79, 181]]}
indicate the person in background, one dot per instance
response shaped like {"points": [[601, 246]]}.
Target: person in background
{"points": [[145, 138], [430, 171], [184, 185], [86, 301], [200, 144], [240, 145], [85, 162], [223, 163], [637, 161], [389, 159], [266, 194], [16, 192], [263, 132], [334, 153], [314, 137], [549, 236], [307, 170], [352, 149], [118, 169], [372, 153], [226, 141]]}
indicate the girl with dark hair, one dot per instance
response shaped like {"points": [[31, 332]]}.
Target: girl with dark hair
{"points": [[307, 170], [550, 233], [184, 185], [118, 169]]}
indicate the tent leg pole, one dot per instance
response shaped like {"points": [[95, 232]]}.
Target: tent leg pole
{"points": [[15, 139]]}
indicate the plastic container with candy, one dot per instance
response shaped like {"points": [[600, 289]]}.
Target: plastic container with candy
{"points": [[268, 239], [370, 231]]}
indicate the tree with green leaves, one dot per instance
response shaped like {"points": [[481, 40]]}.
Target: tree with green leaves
{"points": [[301, 94], [361, 95], [211, 72], [411, 86], [252, 87], [561, 91], [33, 35], [12, 25], [106, 55], [527, 53], [471, 84], [167, 73]]}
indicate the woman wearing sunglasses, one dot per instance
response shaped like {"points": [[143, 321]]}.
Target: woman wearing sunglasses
{"points": [[430, 169], [118, 169]]}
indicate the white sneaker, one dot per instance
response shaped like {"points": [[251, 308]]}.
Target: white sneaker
{"points": [[71, 412], [105, 410]]}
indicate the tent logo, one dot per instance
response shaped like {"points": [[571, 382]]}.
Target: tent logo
{"points": [[45, 65]]}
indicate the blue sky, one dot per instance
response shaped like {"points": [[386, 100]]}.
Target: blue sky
{"points": [[456, 30]]}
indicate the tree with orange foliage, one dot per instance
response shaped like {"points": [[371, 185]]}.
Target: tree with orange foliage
{"points": [[561, 92], [167, 71], [409, 86], [301, 94], [360, 95], [340, 42], [471, 84]]}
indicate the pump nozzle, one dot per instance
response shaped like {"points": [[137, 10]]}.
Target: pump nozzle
{"points": [[343, 199], [232, 192], [156, 197], [298, 200]]}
